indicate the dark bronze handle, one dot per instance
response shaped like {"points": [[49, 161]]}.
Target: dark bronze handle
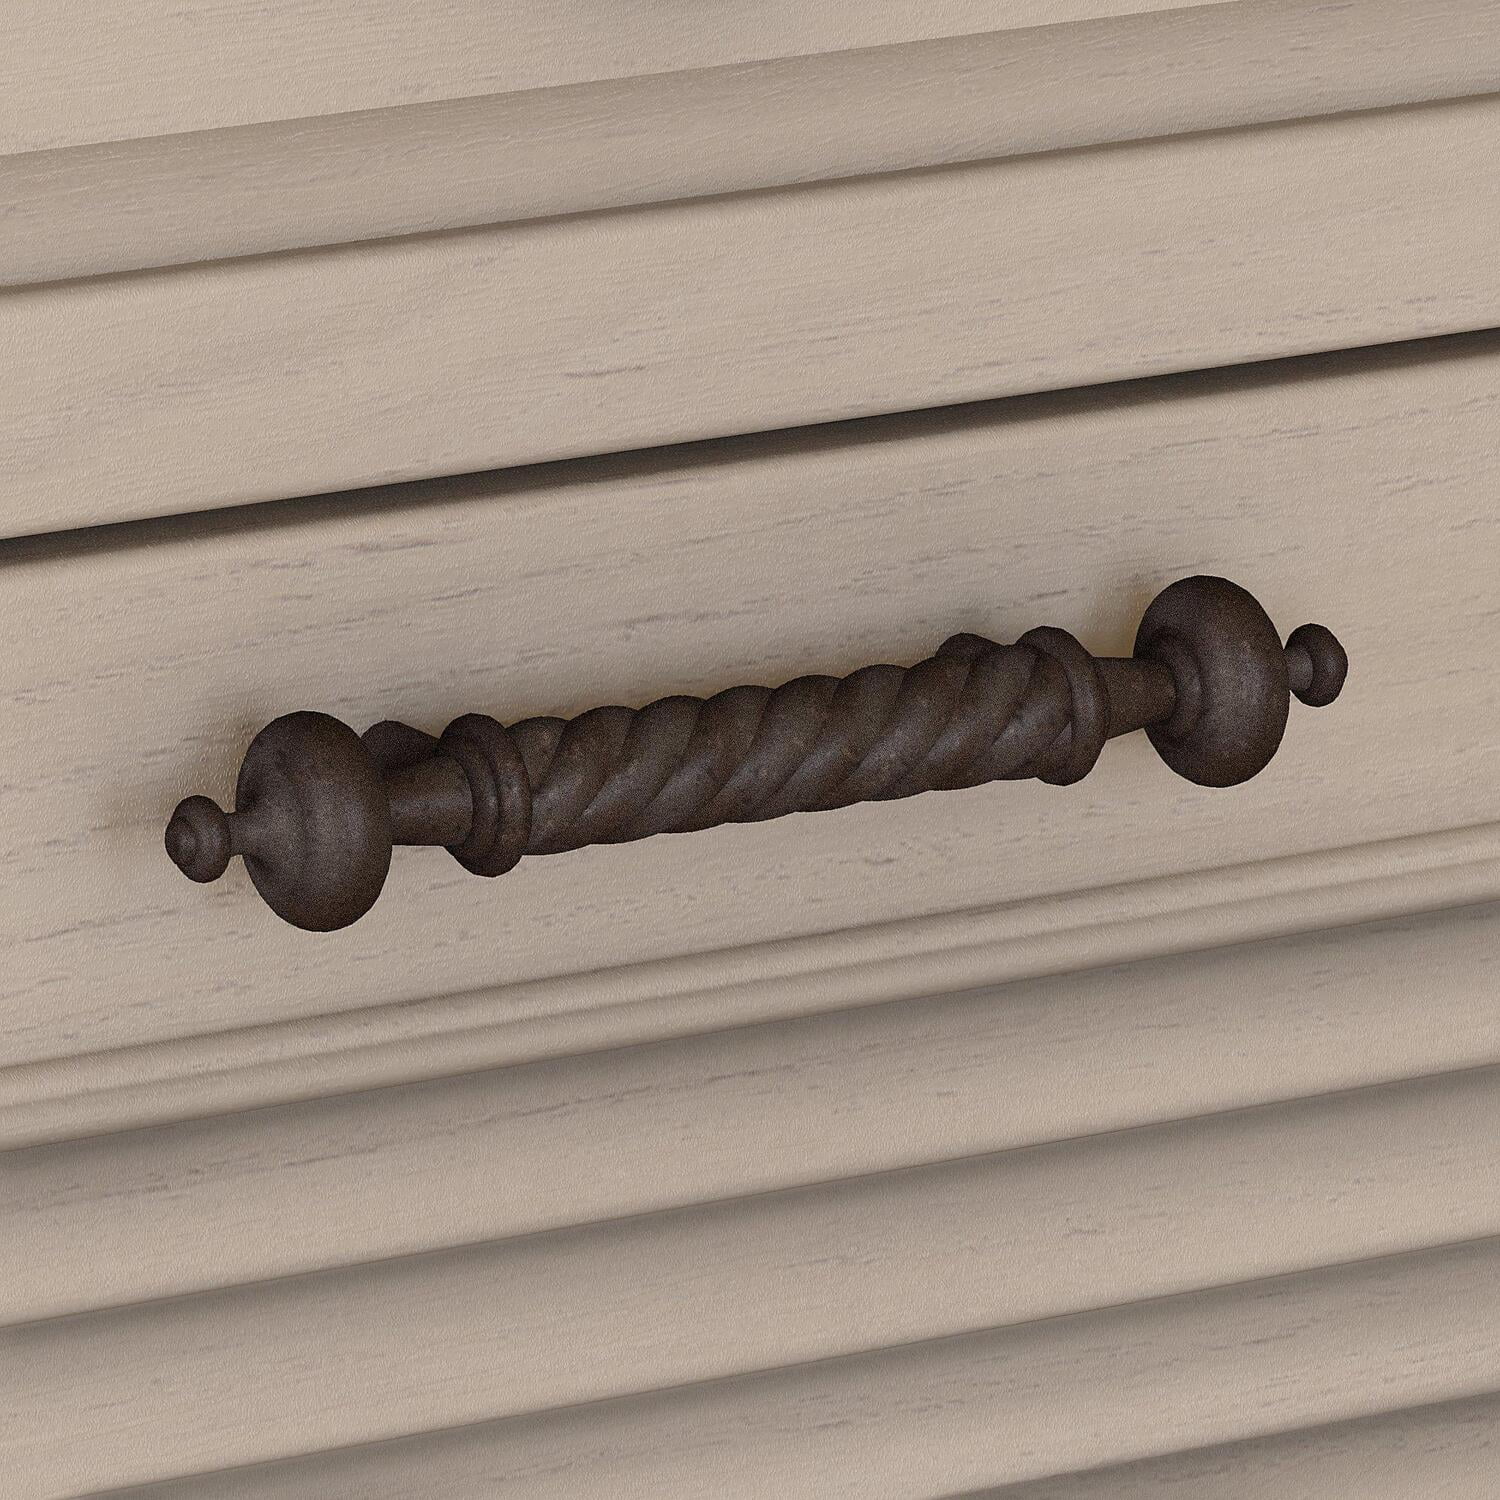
{"points": [[318, 808]]}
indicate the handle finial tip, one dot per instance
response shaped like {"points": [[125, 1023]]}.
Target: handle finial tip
{"points": [[198, 839], [1317, 664]]}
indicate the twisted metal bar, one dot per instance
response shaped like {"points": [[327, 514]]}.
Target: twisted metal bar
{"points": [[813, 744], [319, 809]]}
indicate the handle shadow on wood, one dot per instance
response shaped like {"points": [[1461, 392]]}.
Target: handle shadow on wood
{"points": [[319, 808]]}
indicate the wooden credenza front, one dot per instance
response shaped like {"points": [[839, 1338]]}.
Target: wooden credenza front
{"points": [[1125, 1139]]}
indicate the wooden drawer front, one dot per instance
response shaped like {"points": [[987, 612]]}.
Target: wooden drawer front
{"points": [[496, 158], [1118, 1212], [584, 243], [275, 376], [553, 590], [1119, 1139]]}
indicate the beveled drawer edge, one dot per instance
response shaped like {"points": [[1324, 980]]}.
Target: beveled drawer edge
{"points": [[129, 409], [489, 158], [318, 1055]]}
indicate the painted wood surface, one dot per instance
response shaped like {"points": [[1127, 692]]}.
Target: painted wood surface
{"points": [[555, 590], [332, 1182], [609, 1309], [1448, 1451], [276, 376], [313, 1056], [692, 1167], [369, 174], [125, 68], [945, 1416]]}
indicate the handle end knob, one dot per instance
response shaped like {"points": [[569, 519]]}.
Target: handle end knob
{"points": [[1234, 679], [199, 840], [1317, 664], [312, 819]]}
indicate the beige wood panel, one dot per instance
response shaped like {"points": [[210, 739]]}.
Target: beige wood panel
{"points": [[940, 1417], [367, 174], [1448, 1451], [1445, 1451], [276, 376], [722, 1289], [125, 68], [150, 1213], [322, 1054], [556, 590]]}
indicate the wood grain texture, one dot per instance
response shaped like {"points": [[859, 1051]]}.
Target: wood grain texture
{"points": [[556, 590], [1447, 1451], [165, 391], [126, 68], [314, 1055], [420, 168], [939, 1417], [723, 1289], [237, 1198]]}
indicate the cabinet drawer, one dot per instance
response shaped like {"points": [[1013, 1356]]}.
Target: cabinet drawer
{"points": [[554, 1280], [552, 590], [526, 364], [602, 236], [273, 376]]}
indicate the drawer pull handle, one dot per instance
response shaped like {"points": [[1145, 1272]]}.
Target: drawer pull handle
{"points": [[319, 808]]}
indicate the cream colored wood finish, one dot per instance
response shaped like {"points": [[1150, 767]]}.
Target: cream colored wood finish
{"points": [[939, 1417], [1124, 1140], [373, 173], [312, 1056], [700, 1294], [335, 1181], [126, 68], [173, 390], [554, 590], [1450, 1451]]}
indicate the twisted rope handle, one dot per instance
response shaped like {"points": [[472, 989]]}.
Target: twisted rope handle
{"points": [[319, 809]]}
